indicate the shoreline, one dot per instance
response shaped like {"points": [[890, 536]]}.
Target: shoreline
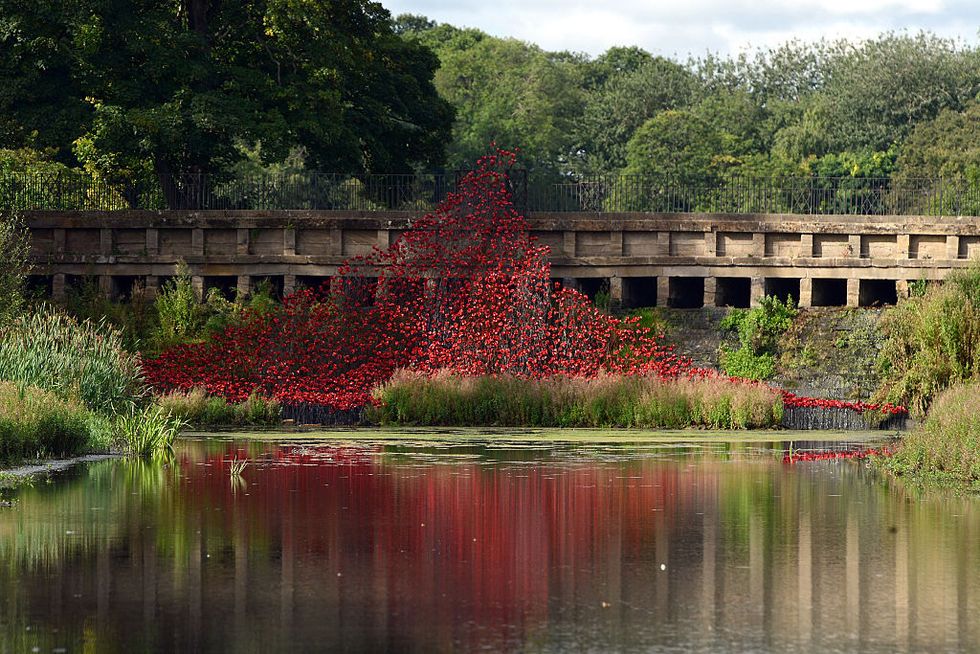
{"points": [[27, 471]]}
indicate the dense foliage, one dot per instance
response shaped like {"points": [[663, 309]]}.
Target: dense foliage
{"points": [[828, 108], [932, 341], [758, 332], [149, 89], [14, 265]]}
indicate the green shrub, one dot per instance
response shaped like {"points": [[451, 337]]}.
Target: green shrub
{"points": [[14, 265], [148, 431], [946, 447], [758, 332], [607, 401], [932, 342], [37, 423], [77, 361], [199, 409], [180, 316]]}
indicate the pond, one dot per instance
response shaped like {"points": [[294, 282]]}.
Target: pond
{"points": [[488, 541]]}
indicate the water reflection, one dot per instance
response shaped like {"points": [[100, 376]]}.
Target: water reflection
{"points": [[424, 548]]}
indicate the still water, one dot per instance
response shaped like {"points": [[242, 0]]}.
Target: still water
{"points": [[486, 544]]}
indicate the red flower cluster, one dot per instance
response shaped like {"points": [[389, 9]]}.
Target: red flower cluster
{"points": [[792, 400], [465, 289], [798, 457]]}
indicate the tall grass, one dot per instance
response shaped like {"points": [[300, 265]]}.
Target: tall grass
{"points": [[38, 423], [946, 447], [148, 431], [609, 401], [932, 341], [77, 361], [198, 408]]}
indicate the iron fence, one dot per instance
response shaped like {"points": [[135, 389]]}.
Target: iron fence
{"points": [[422, 192]]}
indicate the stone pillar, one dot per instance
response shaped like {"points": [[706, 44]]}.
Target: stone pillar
{"points": [[903, 245], [197, 242], [663, 244], [568, 244], [853, 292], [244, 285], [105, 241], [663, 290], [243, 241], [58, 285], [759, 244], [616, 243], [105, 286], [616, 290], [59, 241], [288, 284], [806, 246], [152, 241], [953, 247], [854, 245], [336, 242], [757, 291], [902, 288], [710, 287], [711, 243], [151, 286], [806, 292], [197, 283], [289, 242]]}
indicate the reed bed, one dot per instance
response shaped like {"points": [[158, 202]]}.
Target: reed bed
{"points": [[946, 447], [78, 362], [200, 409], [446, 399], [35, 423]]}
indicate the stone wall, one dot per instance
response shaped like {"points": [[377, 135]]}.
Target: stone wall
{"points": [[681, 260]]}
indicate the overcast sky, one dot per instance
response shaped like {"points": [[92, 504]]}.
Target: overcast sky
{"points": [[682, 27]]}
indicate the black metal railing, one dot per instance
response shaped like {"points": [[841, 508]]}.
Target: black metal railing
{"points": [[422, 192]]}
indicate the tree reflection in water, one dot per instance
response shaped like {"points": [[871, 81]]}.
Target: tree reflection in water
{"points": [[429, 548]]}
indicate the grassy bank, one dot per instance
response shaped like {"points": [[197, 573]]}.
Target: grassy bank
{"points": [[69, 388], [202, 410], [611, 401], [945, 449], [35, 423]]}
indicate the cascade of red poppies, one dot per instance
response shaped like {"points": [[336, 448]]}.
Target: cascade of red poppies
{"points": [[465, 288]]}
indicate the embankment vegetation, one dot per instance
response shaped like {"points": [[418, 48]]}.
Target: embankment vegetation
{"points": [[449, 399], [932, 341], [758, 331], [945, 449], [931, 363]]}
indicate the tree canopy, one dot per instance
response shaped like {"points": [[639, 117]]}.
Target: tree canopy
{"points": [[144, 86]]}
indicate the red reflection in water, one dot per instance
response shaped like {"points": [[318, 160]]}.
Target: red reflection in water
{"points": [[466, 544]]}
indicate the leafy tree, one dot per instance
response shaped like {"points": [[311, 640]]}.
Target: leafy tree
{"points": [[678, 146], [509, 92], [634, 89], [877, 91], [947, 146], [166, 88]]}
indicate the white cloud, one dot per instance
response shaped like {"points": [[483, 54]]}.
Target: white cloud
{"points": [[681, 27]]}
